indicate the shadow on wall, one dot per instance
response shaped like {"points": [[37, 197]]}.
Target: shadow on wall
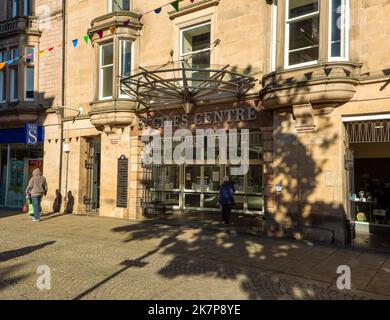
{"points": [[69, 203], [302, 210], [57, 202]]}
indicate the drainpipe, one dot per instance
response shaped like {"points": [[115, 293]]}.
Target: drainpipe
{"points": [[62, 111]]}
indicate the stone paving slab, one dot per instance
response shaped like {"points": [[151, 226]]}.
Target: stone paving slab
{"points": [[102, 258]]}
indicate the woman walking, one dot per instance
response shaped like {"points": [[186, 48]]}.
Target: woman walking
{"points": [[37, 187]]}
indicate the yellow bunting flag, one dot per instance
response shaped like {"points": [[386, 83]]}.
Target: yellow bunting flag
{"points": [[113, 29], [2, 65], [41, 53]]}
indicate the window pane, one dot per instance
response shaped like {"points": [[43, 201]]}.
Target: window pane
{"points": [[107, 81], [304, 33], [303, 56], [125, 58], [2, 86], [14, 83], [107, 54], [14, 53], [3, 56], [27, 10], [196, 39], [15, 8], [255, 175], [193, 178], [171, 179], [338, 29], [302, 7], [30, 54], [29, 83], [211, 178], [120, 5]]}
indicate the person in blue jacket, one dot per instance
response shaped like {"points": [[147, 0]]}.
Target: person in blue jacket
{"points": [[226, 199]]}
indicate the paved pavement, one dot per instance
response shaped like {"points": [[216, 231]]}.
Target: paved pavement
{"points": [[101, 258]]}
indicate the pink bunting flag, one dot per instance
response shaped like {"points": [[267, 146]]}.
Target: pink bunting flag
{"points": [[100, 33]]}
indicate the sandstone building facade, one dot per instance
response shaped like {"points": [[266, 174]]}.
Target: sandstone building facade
{"points": [[308, 78]]}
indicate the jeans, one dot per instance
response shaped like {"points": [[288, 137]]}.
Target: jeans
{"points": [[36, 201], [226, 210]]}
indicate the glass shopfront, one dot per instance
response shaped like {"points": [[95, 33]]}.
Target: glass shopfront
{"points": [[17, 162], [196, 187]]}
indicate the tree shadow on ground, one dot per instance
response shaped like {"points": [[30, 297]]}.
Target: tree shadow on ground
{"points": [[7, 277], [12, 254]]}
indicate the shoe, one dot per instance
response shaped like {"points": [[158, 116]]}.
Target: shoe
{"points": [[35, 220]]}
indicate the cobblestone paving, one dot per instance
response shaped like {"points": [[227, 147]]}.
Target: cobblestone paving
{"points": [[101, 258]]}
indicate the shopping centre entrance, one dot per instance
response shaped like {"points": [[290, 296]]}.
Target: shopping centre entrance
{"points": [[369, 148], [195, 188]]}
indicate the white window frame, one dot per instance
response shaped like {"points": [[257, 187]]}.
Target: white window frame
{"points": [[273, 42], [345, 15], [121, 95], [287, 37], [103, 67], [3, 58], [198, 51]]}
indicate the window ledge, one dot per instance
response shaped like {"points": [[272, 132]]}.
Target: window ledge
{"points": [[200, 5]]}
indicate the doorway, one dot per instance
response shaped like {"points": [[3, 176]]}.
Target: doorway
{"points": [[93, 165], [369, 182]]}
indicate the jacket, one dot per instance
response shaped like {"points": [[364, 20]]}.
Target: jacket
{"points": [[226, 192], [37, 185]]}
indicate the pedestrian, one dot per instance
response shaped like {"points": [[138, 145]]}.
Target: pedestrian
{"points": [[37, 187], [226, 199]]}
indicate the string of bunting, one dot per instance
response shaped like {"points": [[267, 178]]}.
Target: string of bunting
{"points": [[75, 42]]}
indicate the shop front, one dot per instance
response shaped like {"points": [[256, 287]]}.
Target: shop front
{"points": [[369, 182], [21, 151], [194, 184]]}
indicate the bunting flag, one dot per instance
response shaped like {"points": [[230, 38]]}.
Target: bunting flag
{"points": [[175, 4]]}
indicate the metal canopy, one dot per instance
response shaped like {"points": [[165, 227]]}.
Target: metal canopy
{"points": [[184, 84]]}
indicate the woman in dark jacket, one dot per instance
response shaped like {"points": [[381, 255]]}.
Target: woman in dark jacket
{"points": [[226, 199]]}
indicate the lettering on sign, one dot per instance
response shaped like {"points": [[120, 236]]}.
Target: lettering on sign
{"points": [[31, 133], [206, 118]]}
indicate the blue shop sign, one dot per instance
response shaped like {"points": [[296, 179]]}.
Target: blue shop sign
{"points": [[31, 134]]}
